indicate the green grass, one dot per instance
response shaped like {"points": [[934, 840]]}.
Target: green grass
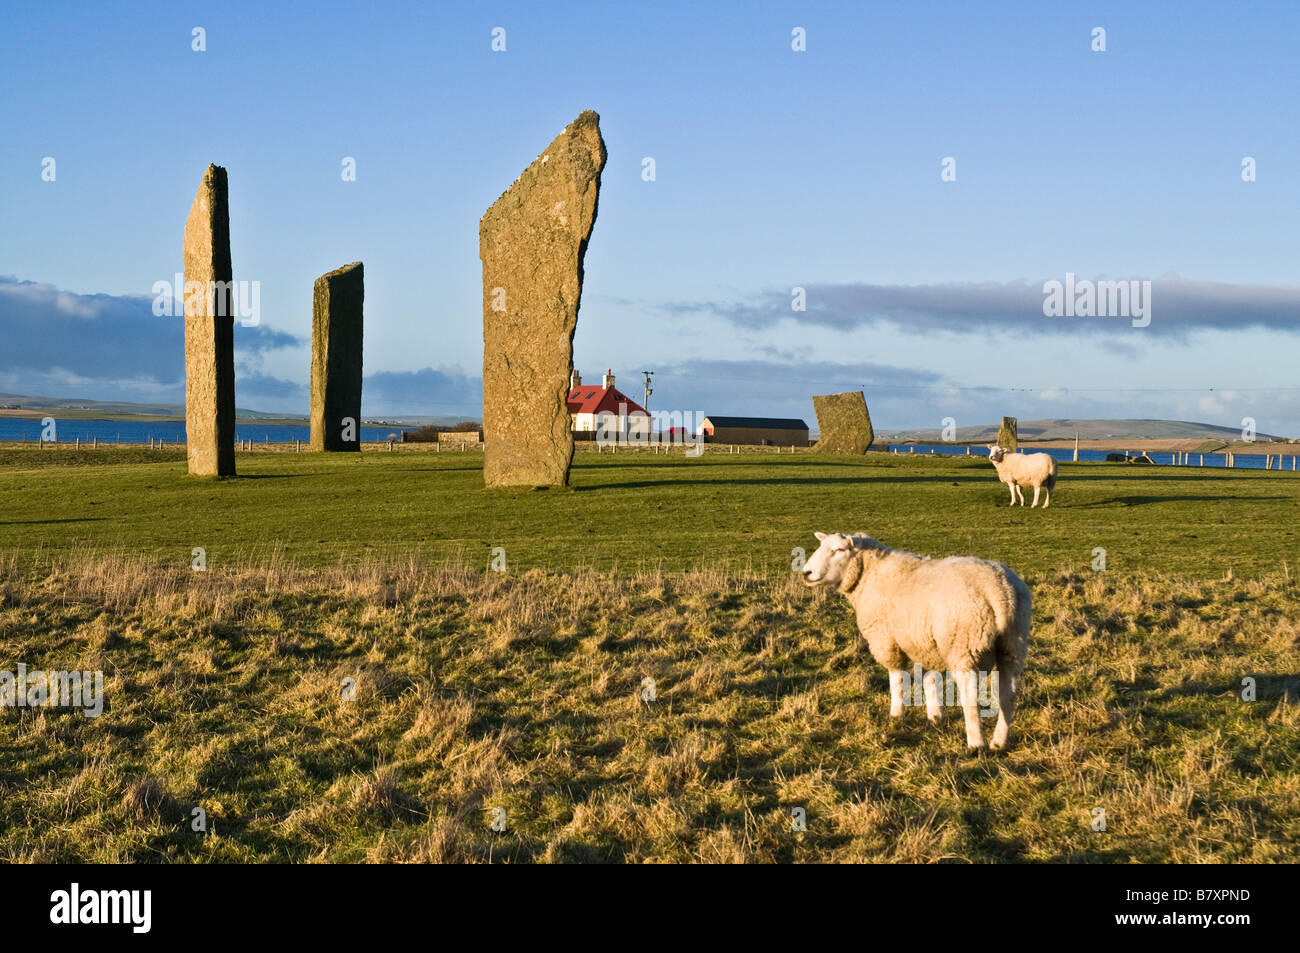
{"points": [[521, 690], [635, 511]]}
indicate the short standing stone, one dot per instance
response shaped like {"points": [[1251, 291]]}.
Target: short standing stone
{"points": [[209, 331], [532, 242], [336, 332], [843, 423], [1007, 435]]}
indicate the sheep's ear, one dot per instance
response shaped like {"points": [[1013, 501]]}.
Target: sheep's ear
{"points": [[820, 536]]}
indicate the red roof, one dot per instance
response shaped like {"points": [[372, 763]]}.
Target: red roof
{"points": [[591, 399]]}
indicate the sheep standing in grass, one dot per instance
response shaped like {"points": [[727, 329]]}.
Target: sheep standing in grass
{"points": [[1025, 469], [958, 615]]}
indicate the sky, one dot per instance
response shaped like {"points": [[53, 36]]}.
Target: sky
{"points": [[776, 169]]}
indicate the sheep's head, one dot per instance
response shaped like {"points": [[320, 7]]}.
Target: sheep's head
{"points": [[827, 565], [996, 453]]}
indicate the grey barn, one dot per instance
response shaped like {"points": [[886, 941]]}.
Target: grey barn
{"points": [[760, 431]]}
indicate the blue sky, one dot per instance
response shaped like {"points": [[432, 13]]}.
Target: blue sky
{"points": [[775, 169]]}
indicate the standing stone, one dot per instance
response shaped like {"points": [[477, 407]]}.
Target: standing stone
{"points": [[209, 331], [336, 329], [1007, 435], [532, 242], [843, 423]]}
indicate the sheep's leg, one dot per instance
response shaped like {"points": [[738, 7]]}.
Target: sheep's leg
{"points": [[933, 710], [896, 676], [1019, 492], [1035, 503], [1048, 501], [966, 691], [1013, 493], [1008, 687]]}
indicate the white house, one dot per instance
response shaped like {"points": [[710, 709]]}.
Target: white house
{"points": [[607, 408]]}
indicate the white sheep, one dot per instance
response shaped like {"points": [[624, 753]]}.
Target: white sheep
{"points": [[958, 615], [1025, 469]]}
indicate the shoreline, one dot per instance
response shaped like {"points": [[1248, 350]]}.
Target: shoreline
{"points": [[1191, 445]]}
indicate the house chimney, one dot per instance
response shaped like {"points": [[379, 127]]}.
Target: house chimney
{"points": [[608, 380], [575, 379]]}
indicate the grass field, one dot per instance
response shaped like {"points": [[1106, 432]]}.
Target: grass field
{"points": [[522, 690], [634, 512]]}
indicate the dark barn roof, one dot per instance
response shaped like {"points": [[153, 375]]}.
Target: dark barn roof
{"points": [[758, 423]]}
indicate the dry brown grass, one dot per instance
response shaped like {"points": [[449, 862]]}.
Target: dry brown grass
{"points": [[476, 691]]}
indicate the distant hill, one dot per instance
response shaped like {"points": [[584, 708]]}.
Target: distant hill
{"points": [[81, 408], [1065, 428]]}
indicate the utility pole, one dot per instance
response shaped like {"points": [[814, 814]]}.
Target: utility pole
{"points": [[648, 389]]}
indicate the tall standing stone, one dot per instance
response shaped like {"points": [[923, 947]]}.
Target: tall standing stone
{"points": [[843, 423], [336, 331], [1007, 435], [532, 242], [209, 331]]}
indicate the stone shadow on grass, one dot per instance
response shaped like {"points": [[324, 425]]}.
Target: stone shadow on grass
{"points": [[1145, 500], [78, 519]]}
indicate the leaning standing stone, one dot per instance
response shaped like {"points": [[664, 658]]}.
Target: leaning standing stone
{"points": [[336, 332], [209, 331], [843, 423], [532, 242]]}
